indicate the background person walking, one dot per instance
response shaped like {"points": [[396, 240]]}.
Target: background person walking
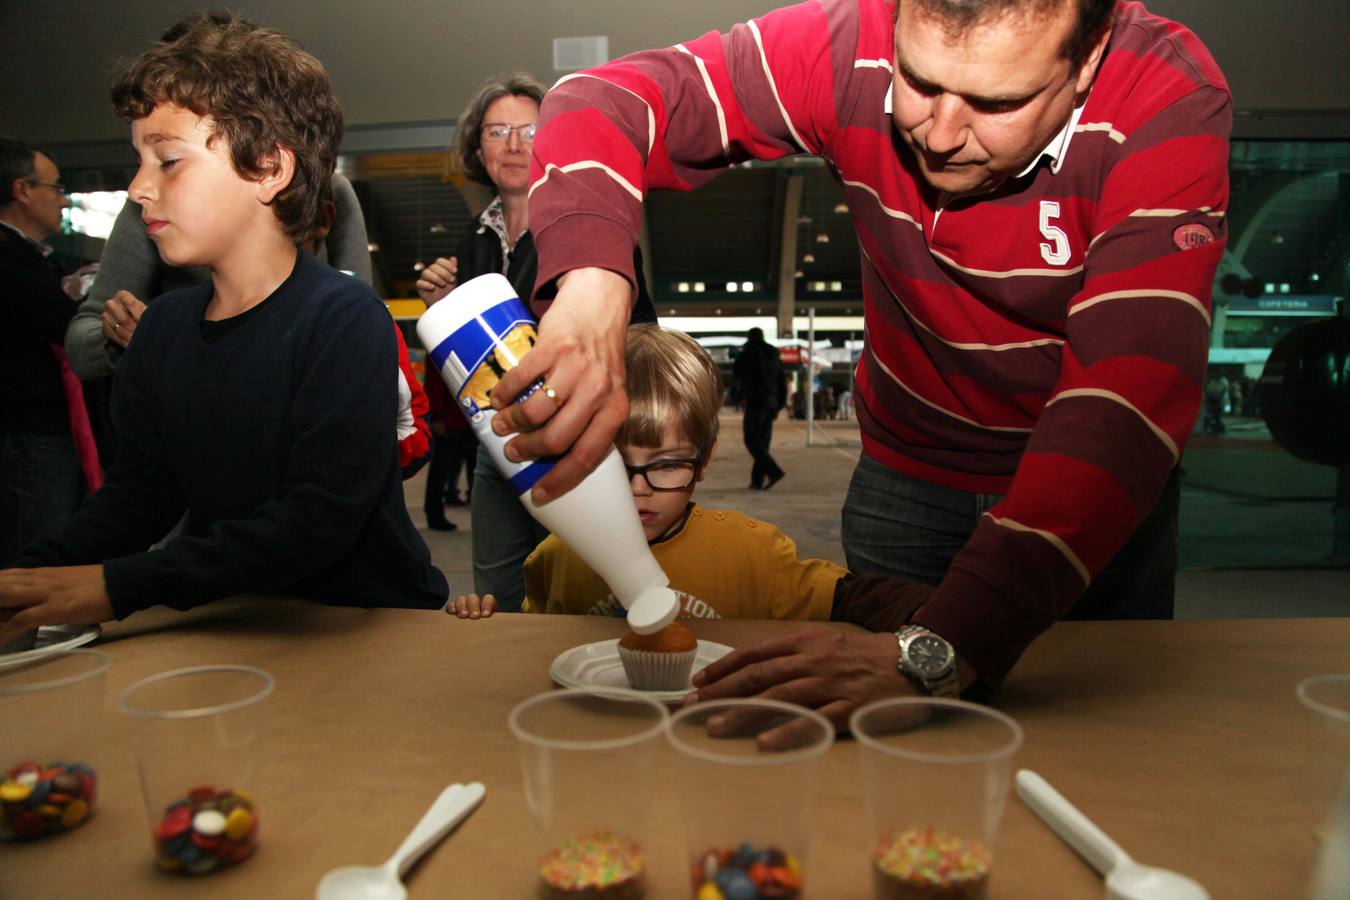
{"points": [[763, 386]]}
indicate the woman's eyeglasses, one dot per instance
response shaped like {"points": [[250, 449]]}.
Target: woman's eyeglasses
{"points": [[500, 133]]}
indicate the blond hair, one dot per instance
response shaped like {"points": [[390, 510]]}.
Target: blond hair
{"points": [[671, 381]]}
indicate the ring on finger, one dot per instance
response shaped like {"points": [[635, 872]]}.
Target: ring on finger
{"points": [[550, 394]]}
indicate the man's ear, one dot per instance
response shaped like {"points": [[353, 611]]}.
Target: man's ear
{"points": [[1088, 72], [17, 190], [278, 168]]}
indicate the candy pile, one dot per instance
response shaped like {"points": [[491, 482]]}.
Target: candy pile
{"points": [[205, 831], [747, 873], [927, 862], [36, 801], [599, 866]]}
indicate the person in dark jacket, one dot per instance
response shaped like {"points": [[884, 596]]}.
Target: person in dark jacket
{"points": [[493, 139], [763, 386], [41, 481]]}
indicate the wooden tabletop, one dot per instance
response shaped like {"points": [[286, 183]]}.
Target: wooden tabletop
{"points": [[1182, 740]]}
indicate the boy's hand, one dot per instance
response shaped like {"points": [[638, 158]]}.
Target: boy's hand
{"points": [[121, 315], [470, 606], [580, 357], [66, 595], [437, 279]]}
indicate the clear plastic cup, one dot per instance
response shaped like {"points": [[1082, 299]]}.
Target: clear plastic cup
{"points": [[51, 726], [1326, 703], [589, 762], [199, 736], [748, 811], [935, 778]]}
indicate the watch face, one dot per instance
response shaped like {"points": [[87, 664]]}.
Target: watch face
{"points": [[929, 655]]}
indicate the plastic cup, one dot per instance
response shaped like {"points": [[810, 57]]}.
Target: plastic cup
{"points": [[51, 726], [589, 763], [199, 736], [747, 811], [1326, 703], [935, 777]]}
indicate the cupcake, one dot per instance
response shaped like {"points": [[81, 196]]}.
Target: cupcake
{"points": [[660, 661]]}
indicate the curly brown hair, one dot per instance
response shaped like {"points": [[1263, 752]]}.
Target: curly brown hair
{"points": [[260, 90], [469, 128]]}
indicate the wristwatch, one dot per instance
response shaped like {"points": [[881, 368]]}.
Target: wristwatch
{"points": [[929, 660]]}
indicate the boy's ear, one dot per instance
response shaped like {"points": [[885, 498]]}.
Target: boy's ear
{"points": [[708, 458], [278, 168]]}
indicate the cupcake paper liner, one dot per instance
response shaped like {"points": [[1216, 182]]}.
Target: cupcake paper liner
{"points": [[650, 670]]}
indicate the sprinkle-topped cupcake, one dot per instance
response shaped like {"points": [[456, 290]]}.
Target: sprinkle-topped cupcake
{"points": [[660, 661], [599, 866], [923, 863]]}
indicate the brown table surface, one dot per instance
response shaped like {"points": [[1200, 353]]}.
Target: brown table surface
{"points": [[1183, 740]]}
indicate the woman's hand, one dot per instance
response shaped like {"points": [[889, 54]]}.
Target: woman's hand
{"points": [[65, 595], [121, 315], [437, 279]]}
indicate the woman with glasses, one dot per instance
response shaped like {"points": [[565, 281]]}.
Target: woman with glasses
{"points": [[494, 139]]}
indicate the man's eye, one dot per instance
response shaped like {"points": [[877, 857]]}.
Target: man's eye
{"points": [[919, 87], [167, 163], [994, 107]]}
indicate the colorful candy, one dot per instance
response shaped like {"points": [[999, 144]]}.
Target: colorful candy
{"points": [[205, 831], [37, 800], [926, 863], [746, 873], [599, 866]]}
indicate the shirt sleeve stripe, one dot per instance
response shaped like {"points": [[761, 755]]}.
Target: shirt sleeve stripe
{"points": [[773, 87], [586, 164], [712, 95], [1144, 294], [1117, 398], [1101, 126], [873, 64], [651, 116], [1053, 539], [929, 403]]}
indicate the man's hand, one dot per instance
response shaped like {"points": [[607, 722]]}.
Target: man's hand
{"points": [[438, 279], [832, 672], [121, 315], [67, 595], [580, 357]]}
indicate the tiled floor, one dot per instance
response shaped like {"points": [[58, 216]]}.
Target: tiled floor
{"points": [[1256, 523]]}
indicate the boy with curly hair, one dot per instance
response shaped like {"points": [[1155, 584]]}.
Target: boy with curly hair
{"points": [[258, 403]]}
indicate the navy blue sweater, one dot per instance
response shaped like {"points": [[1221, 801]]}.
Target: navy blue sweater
{"points": [[276, 437]]}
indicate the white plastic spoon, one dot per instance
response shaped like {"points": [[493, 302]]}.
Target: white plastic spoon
{"points": [[386, 882], [1125, 878]]}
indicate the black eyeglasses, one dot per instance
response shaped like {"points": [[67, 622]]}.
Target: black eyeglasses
{"points": [[668, 474], [499, 132], [55, 185]]}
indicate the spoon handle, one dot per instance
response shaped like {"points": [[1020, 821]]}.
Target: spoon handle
{"points": [[450, 808], [1064, 819]]}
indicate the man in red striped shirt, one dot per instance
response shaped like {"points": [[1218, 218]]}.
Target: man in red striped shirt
{"points": [[1038, 188]]}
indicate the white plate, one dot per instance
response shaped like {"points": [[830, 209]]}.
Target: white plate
{"points": [[52, 639], [598, 665]]}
